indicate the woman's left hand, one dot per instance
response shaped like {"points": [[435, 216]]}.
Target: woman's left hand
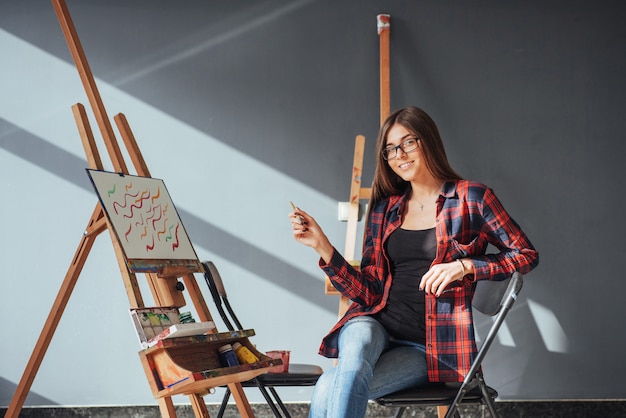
{"points": [[440, 276]]}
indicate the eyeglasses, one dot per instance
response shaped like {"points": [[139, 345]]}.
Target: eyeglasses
{"points": [[407, 146]]}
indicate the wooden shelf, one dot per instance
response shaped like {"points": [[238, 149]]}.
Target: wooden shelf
{"points": [[191, 364]]}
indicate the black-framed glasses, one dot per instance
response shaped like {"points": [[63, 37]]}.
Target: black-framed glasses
{"points": [[407, 146]]}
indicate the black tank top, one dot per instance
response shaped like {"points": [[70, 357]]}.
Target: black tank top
{"points": [[410, 253]]}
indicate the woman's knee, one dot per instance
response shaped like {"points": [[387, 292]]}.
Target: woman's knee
{"points": [[362, 332]]}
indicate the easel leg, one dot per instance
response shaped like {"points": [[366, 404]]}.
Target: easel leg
{"points": [[95, 226], [240, 399], [344, 304], [166, 407], [383, 33], [198, 406], [442, 410]]}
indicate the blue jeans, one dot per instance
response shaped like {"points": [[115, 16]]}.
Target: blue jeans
{"points": [[370, 365]]}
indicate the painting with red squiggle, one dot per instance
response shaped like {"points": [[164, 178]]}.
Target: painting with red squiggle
{"points": [[143, 216]]}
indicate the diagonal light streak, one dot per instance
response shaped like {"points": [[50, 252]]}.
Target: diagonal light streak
{"points": [[552, 333], [241, 28], [212, 181]]}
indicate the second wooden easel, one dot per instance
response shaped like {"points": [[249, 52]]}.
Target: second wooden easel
{"points": [[357, 191]]}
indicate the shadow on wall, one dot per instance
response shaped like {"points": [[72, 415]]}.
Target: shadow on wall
{"points": [[63, 164], [7, 389]]}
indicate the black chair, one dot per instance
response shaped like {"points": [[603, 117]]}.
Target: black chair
{"points": [[297, 375], [491, 298]]}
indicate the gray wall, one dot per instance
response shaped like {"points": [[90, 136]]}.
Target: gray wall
{"points": [[243, 106]]}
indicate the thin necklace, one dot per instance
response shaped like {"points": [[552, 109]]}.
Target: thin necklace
{"points": [[418, 202]]}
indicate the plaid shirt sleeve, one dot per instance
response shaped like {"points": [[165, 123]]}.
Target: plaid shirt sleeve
{"points": [[469, 218], [368, 286], [364, 286]]}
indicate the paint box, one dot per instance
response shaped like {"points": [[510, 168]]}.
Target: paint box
{"points": [[155, 324]]}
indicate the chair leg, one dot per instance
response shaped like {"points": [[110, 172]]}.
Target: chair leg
{"points": [[268, 398], [220, 413], [399, 412], [279, 401], [452, 410], [486, 398], [492, 408]]}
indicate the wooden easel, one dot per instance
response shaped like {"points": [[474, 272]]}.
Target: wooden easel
{"points": [[357, 191], [161, 361]]}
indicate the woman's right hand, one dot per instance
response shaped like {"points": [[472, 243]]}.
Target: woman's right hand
{"points": [[307, 231]]}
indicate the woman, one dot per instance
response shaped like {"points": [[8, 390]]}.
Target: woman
{"points": [[410, 321]]}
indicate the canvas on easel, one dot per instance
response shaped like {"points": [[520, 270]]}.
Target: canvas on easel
{"points": [[145, 220]]}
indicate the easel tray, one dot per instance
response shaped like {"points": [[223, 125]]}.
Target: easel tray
{"points": [[190, 364]]}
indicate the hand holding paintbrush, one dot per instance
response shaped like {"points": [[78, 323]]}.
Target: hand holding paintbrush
{"points": [[308, 232]]}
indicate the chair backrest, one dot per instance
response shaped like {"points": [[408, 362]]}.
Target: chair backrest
{"points": [[220, 298], [491, 296]]}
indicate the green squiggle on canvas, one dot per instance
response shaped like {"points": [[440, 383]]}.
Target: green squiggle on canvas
{"points": [[110, 192]]}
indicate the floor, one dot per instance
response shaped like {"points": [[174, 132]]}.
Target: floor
{"points": [[552, 409]]}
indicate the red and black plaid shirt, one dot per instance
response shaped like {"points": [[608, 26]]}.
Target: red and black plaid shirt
{"points": [[469, 217]]}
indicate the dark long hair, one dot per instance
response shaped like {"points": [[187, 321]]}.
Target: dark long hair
{"points": [[387, 183]]}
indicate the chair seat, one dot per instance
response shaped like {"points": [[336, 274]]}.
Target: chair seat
{"points": [[434, 394], [298, 375]]}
